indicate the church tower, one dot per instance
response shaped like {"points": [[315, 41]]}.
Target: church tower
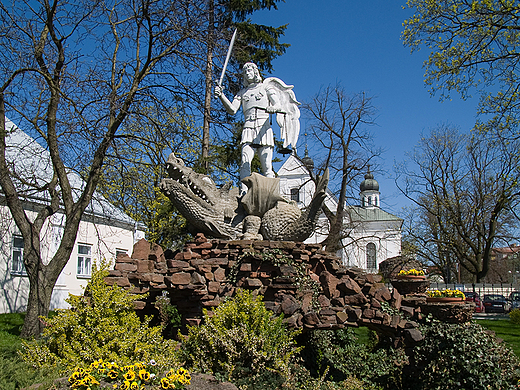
{"points": [[369, 191]]}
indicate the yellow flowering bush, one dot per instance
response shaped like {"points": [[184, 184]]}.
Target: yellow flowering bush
{"points": [[102, 324], [138, 376], [447, 293], [514, 316], [413, 271]]}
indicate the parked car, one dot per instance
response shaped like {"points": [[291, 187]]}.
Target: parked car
{"points": [[495, 303], [514, 300], [474, 297]]}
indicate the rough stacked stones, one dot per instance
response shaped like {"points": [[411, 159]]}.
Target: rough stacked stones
{"points": [[308, 285]]}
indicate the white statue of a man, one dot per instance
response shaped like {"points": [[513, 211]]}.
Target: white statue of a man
{"points": [[259, 99]]}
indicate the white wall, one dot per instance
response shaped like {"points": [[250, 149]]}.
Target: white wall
{"points": [[104, 239], [386, 235]]}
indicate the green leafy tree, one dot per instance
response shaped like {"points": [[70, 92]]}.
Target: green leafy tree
{"points": [[472, 44]]}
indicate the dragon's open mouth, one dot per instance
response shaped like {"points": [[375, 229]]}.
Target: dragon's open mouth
{"points": [[177, 175]]}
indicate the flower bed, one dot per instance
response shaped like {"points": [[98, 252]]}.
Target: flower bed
{"points": [[411, 272], [447, 293], [131, 377]]}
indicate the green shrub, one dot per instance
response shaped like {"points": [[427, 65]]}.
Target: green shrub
{"points": [[102, 324], [339, 353], [170, 318], [241, 341], [462, 356], [301, 379], [514, 316]]}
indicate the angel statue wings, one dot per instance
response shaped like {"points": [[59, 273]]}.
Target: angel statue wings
{"points": [[259, 99]]}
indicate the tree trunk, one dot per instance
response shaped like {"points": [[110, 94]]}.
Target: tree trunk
{"points": [[208, 75], [39, 296]]}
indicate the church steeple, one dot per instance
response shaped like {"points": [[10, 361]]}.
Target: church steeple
{"points": [[369, 191], [307, 161]]}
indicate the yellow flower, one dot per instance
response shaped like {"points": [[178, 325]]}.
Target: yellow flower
{"points": [[129, 376], [144, 375], [125, 385], [112, 374], [74, 377], [447, 293], [412, 271], [134, 386], [165, 383]]}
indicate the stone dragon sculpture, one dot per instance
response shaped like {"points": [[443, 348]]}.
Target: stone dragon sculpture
{"points": [[262, 213]]}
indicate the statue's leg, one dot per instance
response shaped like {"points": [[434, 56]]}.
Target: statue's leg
{"points": [[266, 160], [248, 152]]}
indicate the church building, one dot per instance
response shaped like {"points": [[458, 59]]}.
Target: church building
{"points": [[371, 235]]}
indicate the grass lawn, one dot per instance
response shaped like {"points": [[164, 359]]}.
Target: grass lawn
{"points": [[10, 326], [505, 330], [14, 372]]}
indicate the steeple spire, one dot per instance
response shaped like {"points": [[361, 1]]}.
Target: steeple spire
{"points": [[369, 191]]}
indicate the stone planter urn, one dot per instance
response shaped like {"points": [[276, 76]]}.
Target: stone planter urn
{"points": [[411, 285], [411, 277], [445, 300], [457, 312]]}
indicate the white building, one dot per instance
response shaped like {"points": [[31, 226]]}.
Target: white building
{"points": [[104, 230], [373, 235]]}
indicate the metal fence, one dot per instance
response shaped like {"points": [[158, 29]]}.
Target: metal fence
{"points": [[479, 288]]}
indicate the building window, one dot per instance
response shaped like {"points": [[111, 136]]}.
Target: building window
{"points": [[371, 256], [121, 252], [295, 194], [17, 266], [84, 260]]}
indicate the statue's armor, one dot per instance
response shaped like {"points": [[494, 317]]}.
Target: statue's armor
{"points": [[257, 129]]}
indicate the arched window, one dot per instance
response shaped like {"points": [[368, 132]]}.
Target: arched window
{"points": [[371, 257]]}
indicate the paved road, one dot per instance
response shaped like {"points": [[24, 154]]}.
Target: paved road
{"points": [[490, 316]]}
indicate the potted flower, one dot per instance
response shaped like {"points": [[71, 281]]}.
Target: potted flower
{"points": [[412, 274], [445, 296]]}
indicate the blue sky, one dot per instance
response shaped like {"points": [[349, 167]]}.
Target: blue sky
{"points": [[358, 43]]}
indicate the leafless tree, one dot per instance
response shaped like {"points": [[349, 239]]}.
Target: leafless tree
{"points": [[465, 191], [73, 72], [339, 124]]}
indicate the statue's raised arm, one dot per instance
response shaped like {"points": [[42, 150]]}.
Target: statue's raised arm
{"points": [[288, 117]]}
